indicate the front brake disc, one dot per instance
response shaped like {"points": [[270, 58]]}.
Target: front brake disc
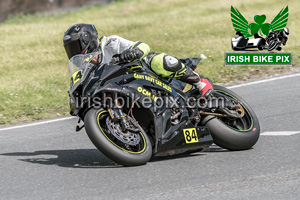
{"points": [[127, 138]]}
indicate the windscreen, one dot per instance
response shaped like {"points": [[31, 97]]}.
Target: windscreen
{"points": [[79, 66], [80, 62]]}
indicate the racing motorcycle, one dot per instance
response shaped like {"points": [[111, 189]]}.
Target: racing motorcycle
{"points": [[131, 114], [277, 38]]}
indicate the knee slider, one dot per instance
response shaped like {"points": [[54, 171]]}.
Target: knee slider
{"points": [[171, 64]]}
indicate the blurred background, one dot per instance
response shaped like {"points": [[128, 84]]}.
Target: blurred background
{"points": [[33, 65], [18, 7]]}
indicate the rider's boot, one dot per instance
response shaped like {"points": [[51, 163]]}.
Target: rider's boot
{"points": [[204, 84], [279, 48]]}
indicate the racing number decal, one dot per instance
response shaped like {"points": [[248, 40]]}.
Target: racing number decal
{"points": [[190, 135], [88, 58], [76, 77]]}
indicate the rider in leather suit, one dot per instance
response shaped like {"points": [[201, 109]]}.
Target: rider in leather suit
{"points": [[83, 38]]}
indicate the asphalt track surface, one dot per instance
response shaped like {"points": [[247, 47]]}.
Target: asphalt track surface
{"points": [[51, 161]]}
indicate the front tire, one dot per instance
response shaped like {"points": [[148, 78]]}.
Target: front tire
{"points": [[110, 146], [240, 137], [272, 45]]}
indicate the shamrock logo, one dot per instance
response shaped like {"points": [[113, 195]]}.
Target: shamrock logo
{"points": [[260, 25]]}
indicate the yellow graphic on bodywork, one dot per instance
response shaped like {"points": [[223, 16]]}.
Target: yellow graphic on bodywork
{"points": [[88, 58], [153, 80], [77, 76], [136, 67], [147, 93]]}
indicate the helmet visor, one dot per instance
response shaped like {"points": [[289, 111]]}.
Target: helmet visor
{"points": [[73, 48]]}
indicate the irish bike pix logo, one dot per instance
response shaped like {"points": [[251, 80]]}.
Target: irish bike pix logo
{"points": [[261, 42]]}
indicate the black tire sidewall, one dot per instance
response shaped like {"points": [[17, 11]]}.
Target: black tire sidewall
{"points": [[227, 137], [108, 148], [272, 45]]}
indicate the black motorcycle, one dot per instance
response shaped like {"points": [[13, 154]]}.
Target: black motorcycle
{"points": [[131, 114], [277, 38]]}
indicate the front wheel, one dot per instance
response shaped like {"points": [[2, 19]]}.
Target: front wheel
{"points": [[234, 134], [272, 45], [128, 149]]}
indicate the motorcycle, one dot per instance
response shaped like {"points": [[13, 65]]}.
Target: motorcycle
{"points": [[131, 114], [275, 39]]}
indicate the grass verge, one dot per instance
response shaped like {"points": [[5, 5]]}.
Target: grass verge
{"points": [[33, 69]]}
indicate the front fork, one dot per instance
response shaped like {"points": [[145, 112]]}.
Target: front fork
{"points": [[117, 115]]}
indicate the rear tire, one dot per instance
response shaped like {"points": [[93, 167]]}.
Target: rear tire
{"points": [[110, 146], [230, 137]]}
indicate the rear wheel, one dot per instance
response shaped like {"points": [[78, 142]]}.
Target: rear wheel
{"points": [[234, 134], [126, 148]]}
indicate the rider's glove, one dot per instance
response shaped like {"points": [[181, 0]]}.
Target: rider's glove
{"points": [[131, 54], [205, 86]]}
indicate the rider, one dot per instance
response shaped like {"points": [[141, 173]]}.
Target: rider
{"points": [[83, 38]]}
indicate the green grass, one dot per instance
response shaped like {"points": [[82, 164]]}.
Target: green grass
{"points": [[33, 65]]}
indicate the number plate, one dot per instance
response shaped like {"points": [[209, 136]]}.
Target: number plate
{"points": [[190, 135]]}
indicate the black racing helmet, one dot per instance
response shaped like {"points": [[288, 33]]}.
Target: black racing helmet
{"points": [[286, 31], [80, 39]]}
